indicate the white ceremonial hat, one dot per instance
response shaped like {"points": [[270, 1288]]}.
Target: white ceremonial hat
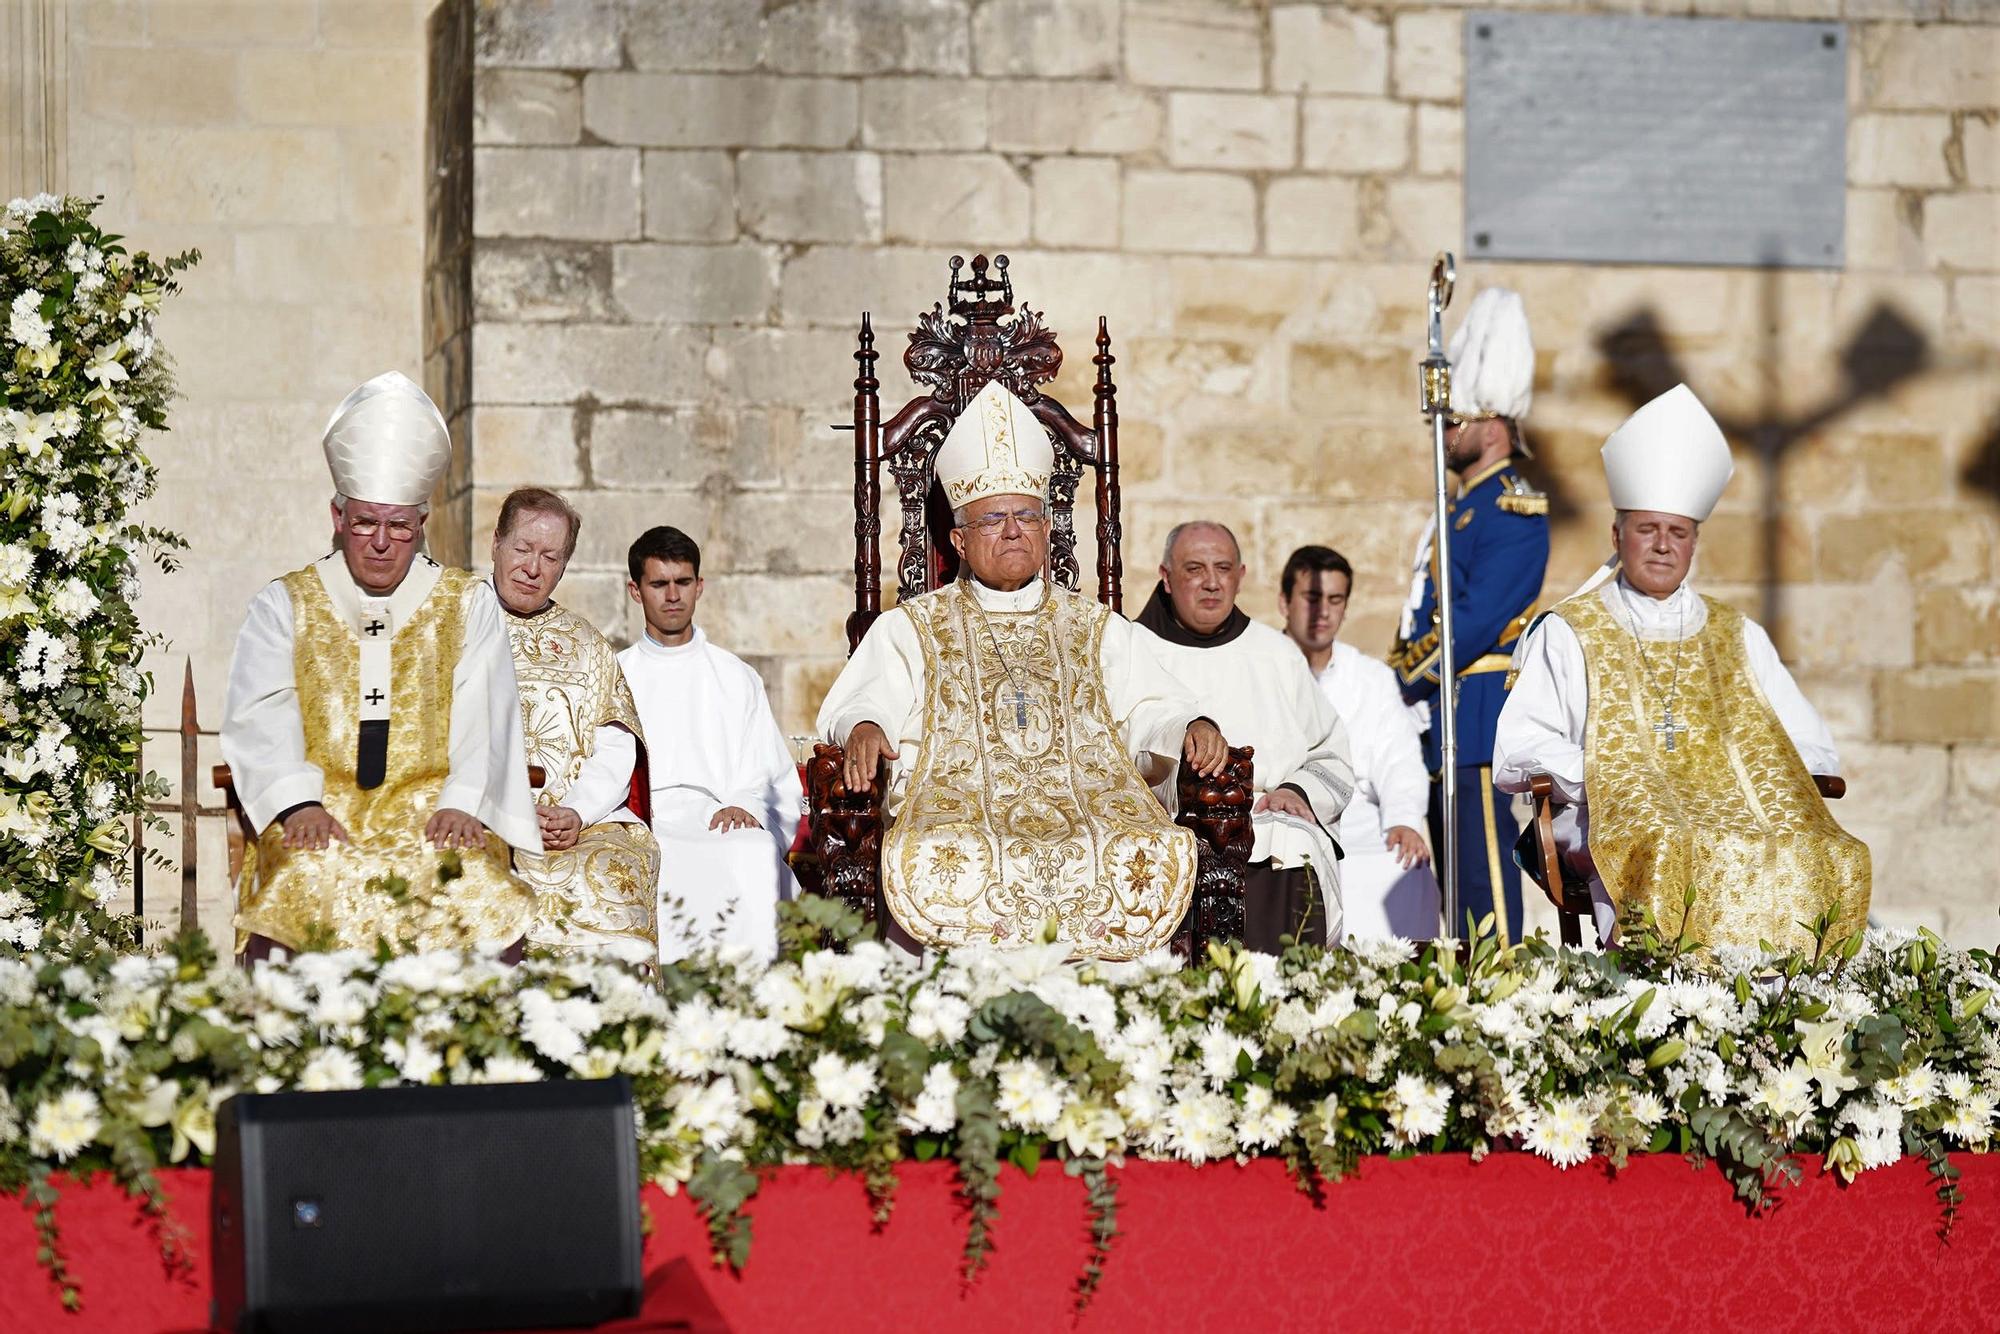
{"points": [[1669, 456], [995, 448], [386, 443], [1493, 358]]}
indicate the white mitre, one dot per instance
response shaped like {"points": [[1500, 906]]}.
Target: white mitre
{"points": [[995, 448], [386, 443], [1493, 358], [1670, 457]]}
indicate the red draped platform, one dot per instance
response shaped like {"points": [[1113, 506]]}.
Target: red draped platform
{"points": [[1424, 1243]]}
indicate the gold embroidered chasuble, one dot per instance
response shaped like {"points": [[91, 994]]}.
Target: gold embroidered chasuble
{"points": [[1022, 811], [601, 893], [388, 882], [1729, 809]]}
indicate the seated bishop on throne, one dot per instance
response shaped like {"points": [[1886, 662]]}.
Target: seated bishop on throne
{"points": [[1683, 751], [1024, 724], [373, 730]]}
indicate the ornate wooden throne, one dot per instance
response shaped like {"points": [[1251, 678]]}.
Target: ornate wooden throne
{"points": [[976, 336]]}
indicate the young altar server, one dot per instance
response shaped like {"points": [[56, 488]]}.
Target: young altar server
{"points": [[726, 793], [598, 874], [1252, 682], [372, 728], [1681, 745], [1387, 887]]}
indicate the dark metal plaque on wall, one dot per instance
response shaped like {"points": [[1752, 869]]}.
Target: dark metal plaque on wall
{"points": [[1655, 141]]}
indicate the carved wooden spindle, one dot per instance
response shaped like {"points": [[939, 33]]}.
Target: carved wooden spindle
{"points": [[867, 490], [190, 800], [1110, 562]]}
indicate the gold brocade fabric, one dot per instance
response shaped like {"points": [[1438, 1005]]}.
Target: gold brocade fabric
{"points": [[343, 895], [1006, 827], [1729, 810], [602, 892]]}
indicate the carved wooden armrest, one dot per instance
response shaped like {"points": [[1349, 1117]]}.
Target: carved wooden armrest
{"points": [[843, 850], [1831, 786], [1218, 811]]}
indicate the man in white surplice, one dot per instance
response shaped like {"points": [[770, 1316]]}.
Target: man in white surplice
{"points": [[372, 728], [1386, 884], [1255, 686], [726, 794], [1023, 724]]}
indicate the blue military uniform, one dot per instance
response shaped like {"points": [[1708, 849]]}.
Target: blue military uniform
{"points": [[1499, 554]]}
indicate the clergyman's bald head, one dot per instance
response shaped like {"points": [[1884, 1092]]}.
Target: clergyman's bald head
{"points": [[1180, 530]]}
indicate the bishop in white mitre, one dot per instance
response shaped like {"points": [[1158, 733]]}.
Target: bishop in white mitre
{"points": [[373, 729], [1254, 684], [726, 795], [1683, 750], [1022, 724]]}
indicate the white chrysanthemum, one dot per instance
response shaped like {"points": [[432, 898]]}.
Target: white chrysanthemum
{"points": [[1029, 1096], [430, 971], [1220, 1053], [756, 1038], [1957, 1086], [1417, 1108], [330, 1068], [508, 1070], [72, 600], [1913, 1090], [10, 1120], [1971, 1120], [1560, 1132], [936, 1106], [841, 1082], [695, 1038], [17, 564], [278, 987], [64, 1125], [1786, 1093], [341, 1006], [1264, 1122], [414, 1060], [712, 1111], [17, 982], [1201, 1124], [1144, 1105], [547, 1025], [25, 324], [1878, 1130], [1646, 1108]]}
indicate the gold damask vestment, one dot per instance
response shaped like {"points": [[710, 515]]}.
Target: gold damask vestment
{"points": [[1729, 809], [1019, 812], [601, 893], [387, 883]]}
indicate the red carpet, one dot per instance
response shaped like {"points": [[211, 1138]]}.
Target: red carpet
{"points": [[1425, 1243]]}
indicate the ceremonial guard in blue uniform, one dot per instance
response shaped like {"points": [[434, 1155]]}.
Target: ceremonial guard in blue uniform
{"points": [[1499, 554]]}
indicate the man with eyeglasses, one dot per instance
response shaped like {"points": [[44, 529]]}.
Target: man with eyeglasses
{"points": [[373, 725], [1499, 554], [1022, 725]]}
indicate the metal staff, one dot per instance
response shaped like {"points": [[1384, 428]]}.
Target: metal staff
{"points": [[1435, 375]]}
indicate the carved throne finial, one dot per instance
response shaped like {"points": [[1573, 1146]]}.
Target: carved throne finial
{"points": [[969, 297]]}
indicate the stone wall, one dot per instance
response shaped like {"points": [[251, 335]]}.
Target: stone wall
{"points": [[680, 209]]}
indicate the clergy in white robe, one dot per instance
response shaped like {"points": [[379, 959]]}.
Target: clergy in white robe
{"points": [[725, 788], [372, 725], [1680, 745], [1022, 724], [1252, 682], [597, 877], [1387, 887]]}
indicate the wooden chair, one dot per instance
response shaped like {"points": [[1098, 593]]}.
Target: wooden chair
{"points": [[1570, 895], [960, 345]]}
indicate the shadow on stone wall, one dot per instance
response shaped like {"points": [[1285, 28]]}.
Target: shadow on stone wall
{"points": [[1884, 351]]}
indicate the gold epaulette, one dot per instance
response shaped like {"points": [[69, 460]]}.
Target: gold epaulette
{"points": [[1517, 497]]}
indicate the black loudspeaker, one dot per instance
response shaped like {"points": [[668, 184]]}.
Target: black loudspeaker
{"points": [[496, 1206]]}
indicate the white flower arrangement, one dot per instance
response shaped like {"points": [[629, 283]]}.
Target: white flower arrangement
{"points": [[80, 379]]}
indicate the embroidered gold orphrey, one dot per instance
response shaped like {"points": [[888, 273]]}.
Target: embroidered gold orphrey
{"points": [[293, 895], [602, 892], [1730, 810], [1004, 827]]}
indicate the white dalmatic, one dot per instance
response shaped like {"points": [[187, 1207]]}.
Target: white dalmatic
{"points": [[1259, 691], [712, 742], [1379, 896]]}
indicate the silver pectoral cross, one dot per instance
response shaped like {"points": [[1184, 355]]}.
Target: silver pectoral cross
{"points": [[1020, 711], [1669, 727]]}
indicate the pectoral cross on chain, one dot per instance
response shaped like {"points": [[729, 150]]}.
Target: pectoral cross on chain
{"points": [[1669, 727], [1020, 710]]}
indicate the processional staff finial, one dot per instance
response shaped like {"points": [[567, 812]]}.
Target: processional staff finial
{"points": [[1434, 373]]}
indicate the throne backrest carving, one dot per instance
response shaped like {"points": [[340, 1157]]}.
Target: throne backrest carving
{"points": [[975, 336]]}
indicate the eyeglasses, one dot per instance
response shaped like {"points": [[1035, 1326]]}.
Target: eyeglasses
{"points": [[993, 523], [400, 530]]}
